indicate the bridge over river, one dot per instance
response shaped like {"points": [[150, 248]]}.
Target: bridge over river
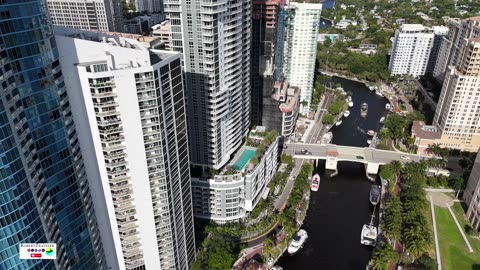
{"points": [[371, 157]]}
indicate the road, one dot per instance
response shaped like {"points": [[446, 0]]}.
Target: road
{"points": [[427, 97], [349, 153], [312, 137]]}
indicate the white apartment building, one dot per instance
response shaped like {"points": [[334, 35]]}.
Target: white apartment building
{"points": [[411, 50], [129, 108], [302, 25], [452, 43], [230, 194], [471, 195], [95, 15], [215, 40]]}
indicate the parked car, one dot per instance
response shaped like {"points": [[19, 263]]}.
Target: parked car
{"points": [[404, 157]]}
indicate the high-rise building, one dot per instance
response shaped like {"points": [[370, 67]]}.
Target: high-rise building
{"points": [[130, 110], [150, 6], [458, 108], [452, 43], [301, 28], [45, 195], [215, 40], [264, 41], [95, 15], [439, 33], [411, 50], [471, 195]]}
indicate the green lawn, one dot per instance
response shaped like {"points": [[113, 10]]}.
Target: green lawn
{"points": [[453, 249]]}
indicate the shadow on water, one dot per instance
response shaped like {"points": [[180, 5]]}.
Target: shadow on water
{"points": [[341, 207]]}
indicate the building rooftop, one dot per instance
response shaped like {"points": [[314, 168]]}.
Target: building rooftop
{"points": [[429, 132]]}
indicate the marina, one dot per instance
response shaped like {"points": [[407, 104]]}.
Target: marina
{"points": [[341, 207]]}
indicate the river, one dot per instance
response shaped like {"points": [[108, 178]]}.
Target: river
{"points": [[339, 209]]}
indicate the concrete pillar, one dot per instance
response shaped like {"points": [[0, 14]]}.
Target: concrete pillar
{"points": [[331, 163], [372, 167]]}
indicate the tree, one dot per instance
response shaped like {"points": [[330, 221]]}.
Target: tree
{"points": [[393, 219], [383, 256], [425, 262], [267, 247], [384, 134], [457, 184], [396, 124], [328, 119]]}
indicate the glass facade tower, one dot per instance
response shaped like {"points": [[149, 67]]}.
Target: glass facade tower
{"points": [[44, 194]]}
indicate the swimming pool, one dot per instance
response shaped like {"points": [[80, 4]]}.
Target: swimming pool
{"points": [[244, 158]]}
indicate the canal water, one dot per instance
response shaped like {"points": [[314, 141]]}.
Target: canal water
{"points": [[341, 207]]}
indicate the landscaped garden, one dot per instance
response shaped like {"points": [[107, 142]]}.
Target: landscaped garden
{"points": [[454, 251]]}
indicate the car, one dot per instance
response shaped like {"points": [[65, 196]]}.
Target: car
{"points": [[360, 157], [404, 157], [306, 152]]}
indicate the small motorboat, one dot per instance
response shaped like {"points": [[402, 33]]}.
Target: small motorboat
{"points": [[350, 104], [379, 93], [387, 106], [338, 123], [276, 267], [375, 194], [371, 133], [346, 113], [349, 98], [364, 109], [298, 241], [326, 138], [369, 141], [315, 182], [369, 235], [371, 88], [382, 120]]}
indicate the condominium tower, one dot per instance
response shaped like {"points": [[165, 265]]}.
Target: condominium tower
{"points": [[458, 108], [459, 30], [215, 40], [471, 195], [411, 50], [44, 190], [130, 111], [95, 15], [301, 26], [439, 32]]}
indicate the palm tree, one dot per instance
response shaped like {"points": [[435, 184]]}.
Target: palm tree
{"points": [[383, 256]]}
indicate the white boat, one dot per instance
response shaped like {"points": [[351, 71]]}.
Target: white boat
{"points": [[382, 119], [346, 113], [298, 241], [387, 106], [327, 138], [315, 182], [371, 88], [369, 141], [350, 104], [349, 98], [338, 123], [276, 267], [375, 194], [364, 107], [378, 93], [369, 235]]}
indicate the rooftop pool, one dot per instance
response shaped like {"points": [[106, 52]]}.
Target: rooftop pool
{"points": [[243, 159]]}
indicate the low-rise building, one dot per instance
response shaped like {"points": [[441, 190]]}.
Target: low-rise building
{"points": [[228, 195], [424, 135], [471, 195], [163, 31]]}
